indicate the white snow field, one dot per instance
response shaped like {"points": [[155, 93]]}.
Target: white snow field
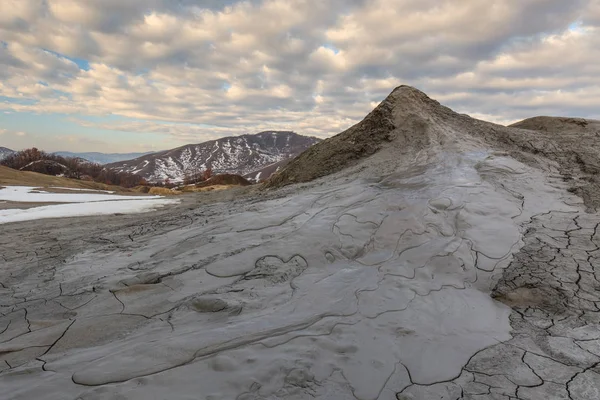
{"points": [[80, 204], [83, 209], [30, 194], [353, 287], [83, 190]]}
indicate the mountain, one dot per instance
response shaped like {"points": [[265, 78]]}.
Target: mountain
{"points": [[234, 155], [409, 124], [5, 152], [102, 158]]}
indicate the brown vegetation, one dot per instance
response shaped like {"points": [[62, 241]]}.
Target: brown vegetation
{"points": [[163, 191], [35, 160], [11, 177], [196, 176], [225, 179]]}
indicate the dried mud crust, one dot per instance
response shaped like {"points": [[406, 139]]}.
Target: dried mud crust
{"points": [[553, 288], [354, 275], [409, 121]]}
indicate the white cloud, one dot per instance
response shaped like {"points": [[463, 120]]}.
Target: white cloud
{"points": [[315, 67]]}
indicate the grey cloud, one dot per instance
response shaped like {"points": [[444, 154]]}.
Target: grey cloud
{"points": [[8, 60]]}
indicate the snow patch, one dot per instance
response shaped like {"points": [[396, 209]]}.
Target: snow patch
{"points": [[29, 194], [79, 204], [83, 209], [83, 190]]}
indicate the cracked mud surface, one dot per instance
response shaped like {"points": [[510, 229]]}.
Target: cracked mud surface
{"points": [[553, 288], [366, 289]]}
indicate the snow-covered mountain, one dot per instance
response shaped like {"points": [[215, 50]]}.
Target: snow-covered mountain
{"points": [[5, 152], [235, 155], [101, 158]]}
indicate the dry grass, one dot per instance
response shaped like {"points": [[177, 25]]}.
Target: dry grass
{"points": [[12, 177], [141, 189], [163, 191], [224, 179], [193, 189]]}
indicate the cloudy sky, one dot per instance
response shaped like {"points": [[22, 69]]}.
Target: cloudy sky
{"points": [[138, 75]]}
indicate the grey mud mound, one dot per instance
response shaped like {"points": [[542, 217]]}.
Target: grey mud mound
{"points": [[389, 122], [445, 259], [408, 123]]}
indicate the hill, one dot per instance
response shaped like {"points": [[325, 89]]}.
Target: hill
{"points": [[233, 155], [102, 158], [12, 177], [36, 160], [5, 152], [48, 167]]}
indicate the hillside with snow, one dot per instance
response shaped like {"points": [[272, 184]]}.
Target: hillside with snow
{"points": [[5, 152], [234, 155]]}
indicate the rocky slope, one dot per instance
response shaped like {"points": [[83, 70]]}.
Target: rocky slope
{"points": [[5, 152], [235, 155]]}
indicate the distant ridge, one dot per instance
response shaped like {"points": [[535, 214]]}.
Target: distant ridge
{"points": [[102, 158], [238, 155], [5, 152]]}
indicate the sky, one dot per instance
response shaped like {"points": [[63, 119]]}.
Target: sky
{"points": [[144, 75]]}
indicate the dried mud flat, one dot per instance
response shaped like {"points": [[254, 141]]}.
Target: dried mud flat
{"points": [[463, 267]]}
